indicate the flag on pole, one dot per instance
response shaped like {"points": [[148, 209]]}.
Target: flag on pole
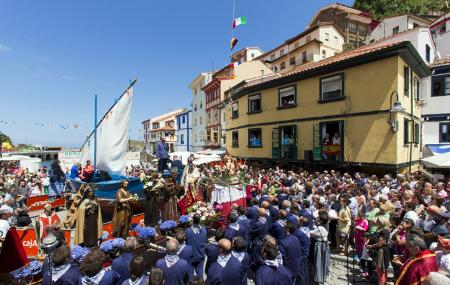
{"points": [[233, 43], [234, 64], [239, 21]]}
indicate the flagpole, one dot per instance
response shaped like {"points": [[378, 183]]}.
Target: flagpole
{"points": [[95, 135]]}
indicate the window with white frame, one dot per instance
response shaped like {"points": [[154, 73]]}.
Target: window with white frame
{"points": [[332, 87], [440, 82], [234, 110], [287, 96], [254, 138], [444, 132], [327, 37], [235, 138], [254, 103], [416, 88]]}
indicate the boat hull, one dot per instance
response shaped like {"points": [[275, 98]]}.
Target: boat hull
{"points": [[105, 192], [108, 189]]}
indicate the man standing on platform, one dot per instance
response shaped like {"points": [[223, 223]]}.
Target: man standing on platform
{"points": [[162, 149], [196, 237]]}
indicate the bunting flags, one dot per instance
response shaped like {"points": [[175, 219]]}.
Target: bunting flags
{"points": [[233, 43], [239, 21]]}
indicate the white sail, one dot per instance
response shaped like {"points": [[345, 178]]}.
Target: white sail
{"points": [[112, 137]]}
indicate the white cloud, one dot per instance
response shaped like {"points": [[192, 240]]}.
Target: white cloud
{"points": [[4, 48]]}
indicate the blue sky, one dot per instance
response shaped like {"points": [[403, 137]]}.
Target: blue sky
{"points": [[55, 55]]}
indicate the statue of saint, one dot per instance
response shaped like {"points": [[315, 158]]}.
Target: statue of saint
{"points": [[122, 211], [88, 221]]}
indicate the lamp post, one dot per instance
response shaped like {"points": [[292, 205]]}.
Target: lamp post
{"points": [[395, 108]]}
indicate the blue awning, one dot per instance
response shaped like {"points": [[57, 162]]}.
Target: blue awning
{"points": [[439, 148]]}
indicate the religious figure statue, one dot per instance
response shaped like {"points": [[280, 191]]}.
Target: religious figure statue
{"points": [[88, 221], [189, 181], [122, 211], [152, 199], [45, 220], [171, 189]]}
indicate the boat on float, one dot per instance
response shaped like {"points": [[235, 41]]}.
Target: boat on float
{"points": [[106, 148]]}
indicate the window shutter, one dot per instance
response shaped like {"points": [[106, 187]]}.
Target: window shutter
{"points": [[317, 146], [423, 92], [276, 150]]}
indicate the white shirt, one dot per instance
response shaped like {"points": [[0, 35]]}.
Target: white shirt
{"points": [[319, 233], [4, 228]]}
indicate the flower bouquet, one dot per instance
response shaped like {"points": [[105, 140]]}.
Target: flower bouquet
{"points": [[184, 220], [79, 252], [112, 246], [26, 274], [145, 234], [205, 210], [166, 227]]}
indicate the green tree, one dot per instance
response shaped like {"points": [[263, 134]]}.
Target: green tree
{"points": [[385, 8], [5, 138]]}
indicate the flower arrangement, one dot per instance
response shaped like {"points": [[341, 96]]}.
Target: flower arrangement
{"points": [[118, 243], [147, 181], [79, 252], [30, 270], [106, 246], [184, 219], [111, 244], [168, 225], [145, 232], [205, 210]]}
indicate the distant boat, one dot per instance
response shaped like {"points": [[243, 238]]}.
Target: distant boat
{"points": [[106, 148]]}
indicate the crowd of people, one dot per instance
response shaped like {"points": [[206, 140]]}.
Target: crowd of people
{"points": [[285, 233]]}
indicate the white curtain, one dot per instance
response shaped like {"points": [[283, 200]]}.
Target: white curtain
{"points": [[112, 138]]}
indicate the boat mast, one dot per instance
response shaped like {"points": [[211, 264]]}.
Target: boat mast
{"points": [[95, 135]]}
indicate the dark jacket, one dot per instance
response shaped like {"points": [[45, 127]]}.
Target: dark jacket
{"points": [[198, 243]]}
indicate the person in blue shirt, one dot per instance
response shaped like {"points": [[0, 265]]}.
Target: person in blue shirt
{"points": [[162, 154], [227, 269], [272, 272], [290, 248], [277, 227], [75, 171], [178, 165], [239, 251], [93, 272], [122, 263], [212, 250], [196, 237], [63, 272], [234, 228], [185, 251], [176, 269], [138, 274]]}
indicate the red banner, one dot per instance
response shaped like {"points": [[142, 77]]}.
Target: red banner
{"points": [[37, 203]]}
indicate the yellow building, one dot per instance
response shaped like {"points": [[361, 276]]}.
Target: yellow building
{"points": [[357, 109]]}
